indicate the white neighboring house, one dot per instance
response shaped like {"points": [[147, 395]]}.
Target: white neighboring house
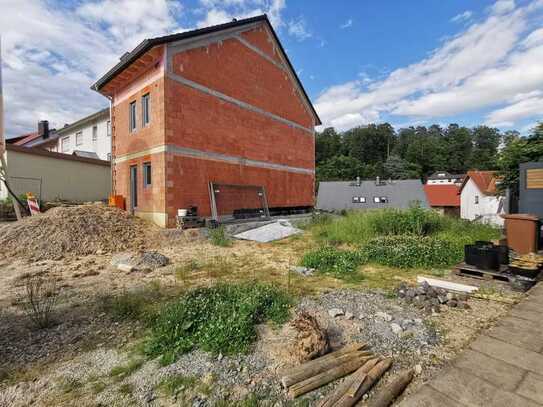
{"points": [[479, 199], [445, 178], [89, 137]]}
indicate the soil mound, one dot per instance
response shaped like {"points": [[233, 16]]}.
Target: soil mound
{"points": [[76, 231]]}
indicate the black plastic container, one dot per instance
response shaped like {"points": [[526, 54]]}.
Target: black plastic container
{"points": [[483, 257], [524, 272]]}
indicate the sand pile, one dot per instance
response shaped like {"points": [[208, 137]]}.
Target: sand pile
{"points": [[76, 231]]}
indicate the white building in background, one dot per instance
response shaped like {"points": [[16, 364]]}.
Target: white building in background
{"points": [[88, 137], [445, 178], [479, 199]]}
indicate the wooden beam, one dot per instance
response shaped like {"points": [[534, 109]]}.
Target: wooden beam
{"points": [[447, 285]]}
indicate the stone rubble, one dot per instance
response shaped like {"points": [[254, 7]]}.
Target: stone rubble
{"points": [[431, 298]]}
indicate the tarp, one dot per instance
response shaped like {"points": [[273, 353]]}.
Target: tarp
{"points": [[268, 233]]}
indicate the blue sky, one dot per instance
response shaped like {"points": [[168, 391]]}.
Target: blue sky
{"points": [[408, 63]]}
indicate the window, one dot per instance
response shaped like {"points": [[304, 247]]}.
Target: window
{"points": [[109, 156], [355, 199], [65, 144], [362, 199], [145, 112], [132, 116], [384, 199], [476, 199], [78, 138], [94, 134], [376, 199], [108, 128], [146, 174]]}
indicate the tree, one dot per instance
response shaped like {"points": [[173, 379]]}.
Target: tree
{"points": [[397, 168], [458, 148], [485, 148], [519, 150], [327, 145], [343, 168]]}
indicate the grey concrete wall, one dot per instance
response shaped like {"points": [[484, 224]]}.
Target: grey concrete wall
{"points": [[59, 178]]}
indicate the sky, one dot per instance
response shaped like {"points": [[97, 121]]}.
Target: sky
{"points": [[408, 63]]}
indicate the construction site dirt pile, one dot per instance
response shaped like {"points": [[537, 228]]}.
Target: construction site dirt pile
{"points": [[76, 231]]}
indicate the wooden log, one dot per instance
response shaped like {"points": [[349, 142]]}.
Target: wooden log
{"points": [[326, 377], [353, 347], [314, 369], [364, 384], [340, 390], [389, 393]]}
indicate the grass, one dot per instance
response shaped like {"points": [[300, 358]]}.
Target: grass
{"points": [[219, 237], [135, 304], [217, 319], [173, 385], [342, 264], [121, 372]]}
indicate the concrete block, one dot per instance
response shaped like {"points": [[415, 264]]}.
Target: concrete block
{"points": [[522, 338], [522, 358], [428, 397], [470, 390], [532, 388]]}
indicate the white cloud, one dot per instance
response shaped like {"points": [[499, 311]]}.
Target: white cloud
{"points": [[347, 24], [222, 11], [489, 63], [521, 107], [503, 6], [466, 15], [298, 29]]}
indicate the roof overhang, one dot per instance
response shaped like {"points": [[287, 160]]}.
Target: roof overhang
{"points": [[148, 44]]}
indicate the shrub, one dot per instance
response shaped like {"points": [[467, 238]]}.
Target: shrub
{"points": [[218, 319], [40, 299], [330, 260], [410, 251], [219, 237]]}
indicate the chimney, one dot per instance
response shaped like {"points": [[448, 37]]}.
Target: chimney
{"points": [[43, 129], [377, 181], [358, 182]]}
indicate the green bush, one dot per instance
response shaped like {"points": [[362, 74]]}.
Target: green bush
{"points": [[410, 251], [219, 237], [218, 319], [330, 260]]}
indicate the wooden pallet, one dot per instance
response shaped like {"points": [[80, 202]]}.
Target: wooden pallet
{"points": [[516, 282]]}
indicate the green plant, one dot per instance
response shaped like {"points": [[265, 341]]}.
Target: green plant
{"points": [[135, 304], [126, 389], [39, 299], [172, 385], [409, 251], [218, 319], [219, 237], [120, 372], [330, 260]]}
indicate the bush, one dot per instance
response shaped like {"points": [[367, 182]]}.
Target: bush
{"points": [[219, 319], [410, 251], [40, 299], [330, 260], [219, 237]]}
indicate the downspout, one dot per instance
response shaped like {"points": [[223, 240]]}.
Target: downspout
{"points": [[111, 160]]}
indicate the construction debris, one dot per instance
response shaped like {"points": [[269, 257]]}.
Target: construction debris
{"points": [[76, 231], [144, 261], [431, 298], [387, 395], [447, 285], [270, 232], [311, 340]]}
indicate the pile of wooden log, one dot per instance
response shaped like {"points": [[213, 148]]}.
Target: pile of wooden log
{"points": [[364, 367]]}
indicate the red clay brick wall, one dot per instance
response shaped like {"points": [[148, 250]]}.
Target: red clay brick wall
{"points": [[235, 70], [263, 41], [190, 179]]}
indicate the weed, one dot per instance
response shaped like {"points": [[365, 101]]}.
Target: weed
{"points": [[135, 304], [182, 272], [39, 299], [98, 387], [126, 389], [329, 260], [120, 372], [219, 237], [218, 319], [69, 385], [173, 385]]}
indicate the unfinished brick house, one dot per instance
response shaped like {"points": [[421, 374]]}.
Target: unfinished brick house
{"points": [[219, 105]]}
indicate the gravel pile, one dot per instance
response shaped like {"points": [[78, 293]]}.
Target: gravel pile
{"points": [[76, 231], [142, 260]]}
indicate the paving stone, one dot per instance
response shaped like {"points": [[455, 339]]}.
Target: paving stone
{"points": [[470, 390], [532, 387], [520, 324], [428, 397], [523, 358], [501, 374], [522, 338], [534, 316], [527, 306]]}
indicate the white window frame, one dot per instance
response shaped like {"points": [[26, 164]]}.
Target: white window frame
{"points": [[65, 144], [132, 117], [146, 110], [79, 138], [108, 129], [376, 199]]}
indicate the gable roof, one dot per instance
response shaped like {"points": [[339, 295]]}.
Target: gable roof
{"points": [[400, 194], [149, 43], [103, 113], [446, 175], [25, 138], [485, 181], [442, 195]]}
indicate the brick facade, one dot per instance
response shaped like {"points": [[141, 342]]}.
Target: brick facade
{"points": [[225, 112]]}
